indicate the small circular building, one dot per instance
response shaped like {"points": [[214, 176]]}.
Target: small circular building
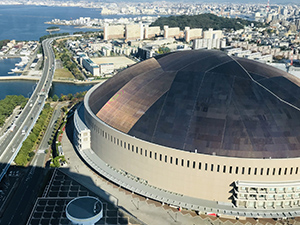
{"points": [[85, 210], [200, 130]]}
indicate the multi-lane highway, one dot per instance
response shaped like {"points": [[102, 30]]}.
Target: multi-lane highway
{"points": [[12, 141]]}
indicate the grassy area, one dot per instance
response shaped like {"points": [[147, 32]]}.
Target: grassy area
{"points": [[63, 73]]}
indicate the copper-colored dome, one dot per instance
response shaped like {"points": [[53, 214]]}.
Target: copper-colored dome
{"points": [[205, 100]]}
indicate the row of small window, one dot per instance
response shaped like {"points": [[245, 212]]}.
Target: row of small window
{"points": [[273, 204], [268, 190], [269, 196], [194, 164]]}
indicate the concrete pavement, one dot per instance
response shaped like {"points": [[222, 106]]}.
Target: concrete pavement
{"points": [[148, 211]]}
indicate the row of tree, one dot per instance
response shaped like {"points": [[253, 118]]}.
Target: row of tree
{"points": [[71, 66], [8, 104], [67, 60], [69, 97], [26, 152], [204, 21]]}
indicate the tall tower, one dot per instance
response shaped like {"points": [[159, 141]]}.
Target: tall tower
{"points": [[268, 6]]}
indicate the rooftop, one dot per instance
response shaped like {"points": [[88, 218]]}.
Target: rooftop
{"points": [[206, 101]]}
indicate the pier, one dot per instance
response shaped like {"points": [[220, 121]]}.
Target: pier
{"points": [[52, 29]]}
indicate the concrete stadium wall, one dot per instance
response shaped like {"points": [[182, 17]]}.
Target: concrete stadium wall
{"points": [[132, 155]]}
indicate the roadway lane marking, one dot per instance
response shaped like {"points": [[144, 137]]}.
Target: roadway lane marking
{"points": [[40, 151]]}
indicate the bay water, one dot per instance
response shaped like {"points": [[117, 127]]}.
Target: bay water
{"points": [[25, 22]]}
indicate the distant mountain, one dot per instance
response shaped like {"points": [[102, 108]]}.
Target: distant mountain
{"points": [[203, 21]]}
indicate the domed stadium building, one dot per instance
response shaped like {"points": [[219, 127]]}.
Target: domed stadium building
{"points": [[199, 130]]}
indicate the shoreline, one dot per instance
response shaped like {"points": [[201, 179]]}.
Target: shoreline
{"points": [[32, 78]]}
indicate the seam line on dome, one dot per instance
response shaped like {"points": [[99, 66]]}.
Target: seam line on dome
{"points": [[194, 106], [220, 64], [259, 84], [200, 59]]}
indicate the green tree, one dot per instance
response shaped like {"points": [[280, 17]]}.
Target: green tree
{"points": [[55, 98], [204, 21], [70, 96]]}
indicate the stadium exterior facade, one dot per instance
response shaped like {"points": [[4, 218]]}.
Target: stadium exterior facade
{"points": [[243, 161]]}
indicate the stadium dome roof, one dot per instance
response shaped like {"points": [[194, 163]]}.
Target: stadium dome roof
{"points": [[207, 101]]}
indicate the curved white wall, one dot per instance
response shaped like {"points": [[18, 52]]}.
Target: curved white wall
{"points": [[211, 182]]}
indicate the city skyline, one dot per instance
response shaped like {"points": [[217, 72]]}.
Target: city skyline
{"points": [[280, 2]]}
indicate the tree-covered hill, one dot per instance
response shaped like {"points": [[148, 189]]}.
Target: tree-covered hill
{"points": [[203, 21]]}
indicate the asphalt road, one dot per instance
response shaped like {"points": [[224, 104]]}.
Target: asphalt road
{"points": [[44, 143], [12, 143]]}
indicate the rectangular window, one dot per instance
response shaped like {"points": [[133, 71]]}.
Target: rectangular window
{"points": [[279, 171], [194, 164], [114, 140], [199, 165], [105, 135], [136, 150], [291, 172], [188, 163], [224, 169], [166, 160], [171, 159], [296, 172], [141, 151], [218, 168], [145, 152], [121, 143], [205, 166], [117, 141], [255, 171], [285, 171], [230, 169], [128, 146], [243, 170], [274, 171], [132, 148], [182, 162], [236, 170], [212, 167], [111, 138], [155, 155], [249, 170], [150, 154], [176, 161], [268, 171], [160, 157]]}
